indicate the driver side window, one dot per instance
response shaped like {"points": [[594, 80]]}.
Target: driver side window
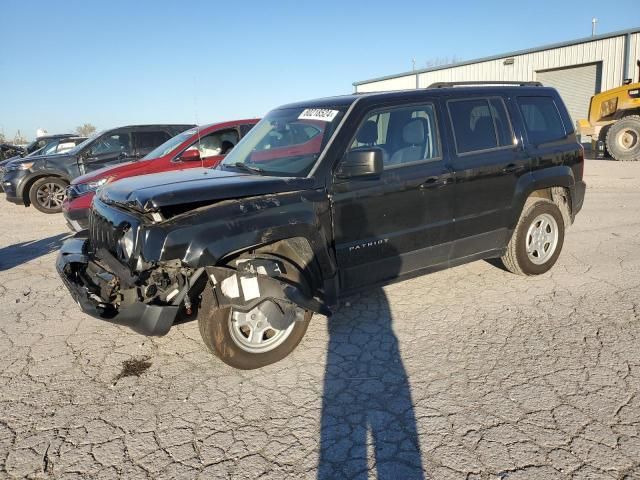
{"points": [[111, 144], [217, 143], [405, 135]]}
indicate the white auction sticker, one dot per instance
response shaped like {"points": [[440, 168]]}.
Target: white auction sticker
{"points": [[322, 114]]}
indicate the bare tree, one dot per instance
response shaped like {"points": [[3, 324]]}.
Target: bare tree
{"points": [[440, 61], [2, 139], [85, 130], [19, 139]]}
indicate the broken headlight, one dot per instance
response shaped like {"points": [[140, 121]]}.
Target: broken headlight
{"points": [[126, 243]]}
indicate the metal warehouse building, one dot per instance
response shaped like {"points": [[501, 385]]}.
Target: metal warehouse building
{"points": [[578, 69]]}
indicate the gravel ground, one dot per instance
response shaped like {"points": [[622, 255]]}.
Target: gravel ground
{"points": [[467, 373]]}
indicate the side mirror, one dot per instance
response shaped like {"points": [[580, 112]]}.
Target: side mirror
{"points": [[191, 154], [361, 163]]}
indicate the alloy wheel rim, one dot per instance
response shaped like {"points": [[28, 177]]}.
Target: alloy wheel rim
{"points": [[50, 195], [252, 332], [542, 238]]}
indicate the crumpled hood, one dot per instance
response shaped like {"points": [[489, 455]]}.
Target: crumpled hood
{"points": [[152, 192]]}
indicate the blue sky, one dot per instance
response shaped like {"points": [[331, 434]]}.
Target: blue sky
{"points": [[120, 62]]}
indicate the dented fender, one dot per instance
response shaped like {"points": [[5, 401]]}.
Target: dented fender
{"points": [[206, 235]]}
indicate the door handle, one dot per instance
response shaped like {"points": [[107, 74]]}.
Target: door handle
{"points": [[512, 168], [434, 182]]}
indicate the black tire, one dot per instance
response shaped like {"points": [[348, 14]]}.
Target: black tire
{"points": [[214, 329], [623, 139], [47, 194], [516, 259]]}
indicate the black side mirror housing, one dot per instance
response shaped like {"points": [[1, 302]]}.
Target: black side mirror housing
{"points": [[361, 163]]}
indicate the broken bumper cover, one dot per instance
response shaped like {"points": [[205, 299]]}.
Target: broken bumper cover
{"points": [[140, 317]]}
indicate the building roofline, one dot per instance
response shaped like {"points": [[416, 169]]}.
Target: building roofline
{"points": [[542, 48]]}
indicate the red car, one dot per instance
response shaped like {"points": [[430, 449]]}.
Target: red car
{"points": [[196, 147]]}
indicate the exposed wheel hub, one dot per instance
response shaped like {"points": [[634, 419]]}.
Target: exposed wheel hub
{"points": [[628, 138]]}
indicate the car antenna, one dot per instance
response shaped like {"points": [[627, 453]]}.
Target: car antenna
{"points": [[195, 110]]}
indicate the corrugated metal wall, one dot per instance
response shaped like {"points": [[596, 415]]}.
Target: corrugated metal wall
{"points": [[576, 86], [609, 51], [634, 56]]}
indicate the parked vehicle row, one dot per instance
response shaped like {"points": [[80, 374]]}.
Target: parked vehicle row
{"points": [[197, 147], [53, 145], [37, 144], [321, 199], [41, 180], [9, 151]]}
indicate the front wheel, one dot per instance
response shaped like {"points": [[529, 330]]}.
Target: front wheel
{"points": [[47, 194], [537, 240], [247, 340]]}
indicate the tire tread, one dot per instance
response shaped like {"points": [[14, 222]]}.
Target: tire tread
{"points": [[510, 258], [609, 139]]}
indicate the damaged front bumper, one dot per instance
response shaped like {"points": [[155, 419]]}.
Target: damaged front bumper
{"points": [[144, 318]]}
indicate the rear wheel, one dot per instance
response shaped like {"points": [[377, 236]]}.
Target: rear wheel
{"points": [[537, 240], [47, 194], [623, 139], [247, 340]]}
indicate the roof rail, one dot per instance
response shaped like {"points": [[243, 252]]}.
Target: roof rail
{"points": [[490, 82]]}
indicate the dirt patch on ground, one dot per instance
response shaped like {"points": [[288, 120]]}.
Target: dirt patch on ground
{"points": [[133, 368]]}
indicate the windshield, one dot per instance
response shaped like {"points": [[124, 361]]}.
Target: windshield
{"points": [[35, 153], [170, 145], [286, 142], [80, 146], [33, 146]]}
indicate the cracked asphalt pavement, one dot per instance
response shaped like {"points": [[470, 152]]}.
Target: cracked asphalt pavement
{"points": [[466, 373]]}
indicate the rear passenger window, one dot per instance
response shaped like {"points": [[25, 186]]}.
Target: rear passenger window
{"points": [[542, 119], [480, 124]]}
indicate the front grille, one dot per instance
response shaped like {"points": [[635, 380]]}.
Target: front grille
{"points": [[102, 233], [107, 225]]}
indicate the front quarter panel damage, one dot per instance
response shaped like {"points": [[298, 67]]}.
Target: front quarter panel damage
{"points": [[205, 236]]}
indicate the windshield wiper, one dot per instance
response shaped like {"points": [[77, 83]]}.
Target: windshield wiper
{"points": [[247, 168]]}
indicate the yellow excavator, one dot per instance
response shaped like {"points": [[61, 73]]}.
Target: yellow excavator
{"points": [[614, 122]]}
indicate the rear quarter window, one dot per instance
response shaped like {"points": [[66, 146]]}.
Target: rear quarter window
{"points": [[542, 119], [147, 141]]}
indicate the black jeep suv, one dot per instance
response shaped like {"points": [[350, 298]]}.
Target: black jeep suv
{"points": [[41, 181], [327, 197]]}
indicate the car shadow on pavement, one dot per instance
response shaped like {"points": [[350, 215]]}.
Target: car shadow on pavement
{"points": [[23, 252], [497, 263], [367, 408], [367, 403]]}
